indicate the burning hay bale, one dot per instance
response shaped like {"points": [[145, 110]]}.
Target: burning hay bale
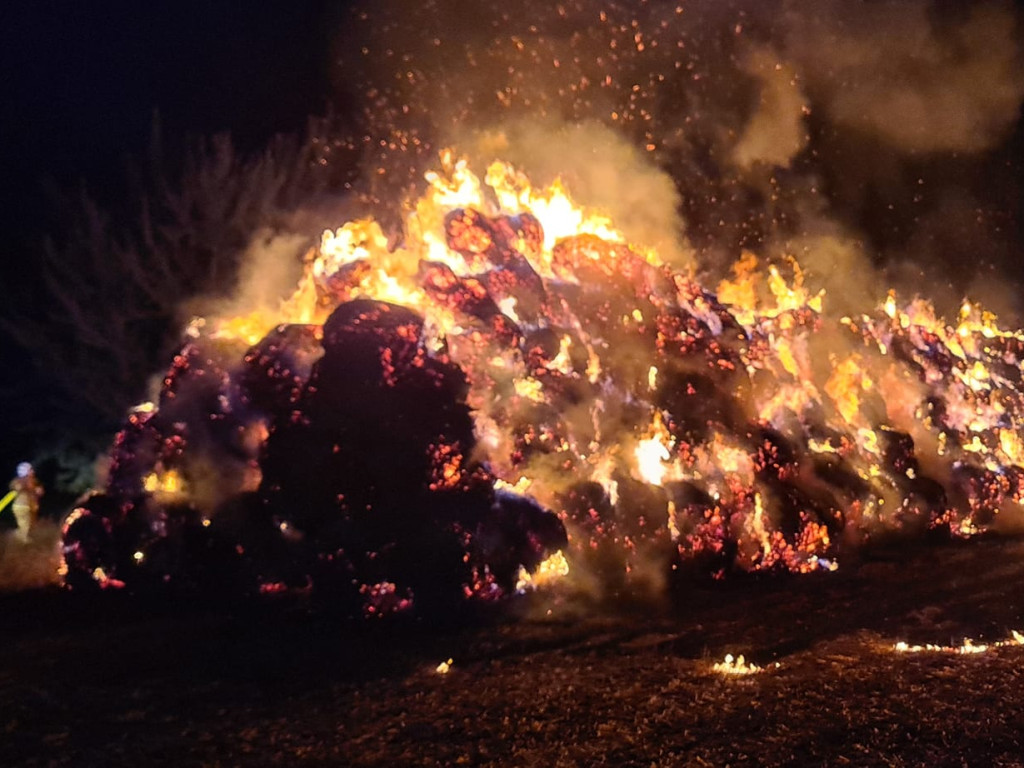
{"points": [[363, 484], [367, 446]]}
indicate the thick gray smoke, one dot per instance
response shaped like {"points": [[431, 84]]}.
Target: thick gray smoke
{"points": [[775, 119], [776, 131], [898, 71]]}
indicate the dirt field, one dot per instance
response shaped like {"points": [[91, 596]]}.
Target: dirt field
{"points": [[116, 682]]}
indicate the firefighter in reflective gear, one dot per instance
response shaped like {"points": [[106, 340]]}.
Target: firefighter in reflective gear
{"points": [[27, 491]]}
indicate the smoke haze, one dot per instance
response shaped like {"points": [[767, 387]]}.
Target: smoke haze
{"points": [[875, 142], [903, 74], [33, 563], [769, 118]]}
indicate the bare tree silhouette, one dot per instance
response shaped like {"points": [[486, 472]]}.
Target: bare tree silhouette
{"points": [[100, 314]]}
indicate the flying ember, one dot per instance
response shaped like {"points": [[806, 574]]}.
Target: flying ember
{"points": [[512, 394]]}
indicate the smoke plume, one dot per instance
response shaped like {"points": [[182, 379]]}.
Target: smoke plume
{"points": [[917, 81]]}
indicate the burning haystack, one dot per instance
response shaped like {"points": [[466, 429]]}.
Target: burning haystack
{"points": [[333, 456], [514, 392]]}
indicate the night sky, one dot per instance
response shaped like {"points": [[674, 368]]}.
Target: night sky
{"points": [[83, 81]]}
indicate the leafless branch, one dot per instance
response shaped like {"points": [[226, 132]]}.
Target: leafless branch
{"points": [[101, 316]]}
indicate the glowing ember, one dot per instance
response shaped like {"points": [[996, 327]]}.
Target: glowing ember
{"points": [[163, 483]]}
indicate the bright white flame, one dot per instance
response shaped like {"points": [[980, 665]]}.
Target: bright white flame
{"points": [[968, 647], [653, 453], [551, 570], [737, 666]]}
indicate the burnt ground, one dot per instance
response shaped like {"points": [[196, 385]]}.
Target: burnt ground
{"points": [[120, 681]]}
